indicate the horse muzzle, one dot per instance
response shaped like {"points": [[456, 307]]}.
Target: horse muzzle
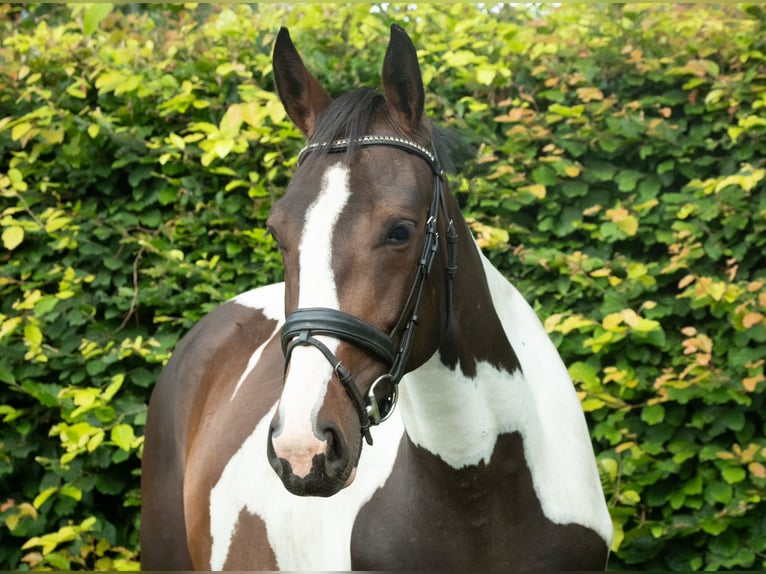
{"points": [[318, 465], [315, 483]]}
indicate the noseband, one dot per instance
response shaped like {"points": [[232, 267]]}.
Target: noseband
{"points": [[303, 325]]}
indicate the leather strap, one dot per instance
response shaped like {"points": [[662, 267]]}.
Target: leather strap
{"points": [[373, 140], [340, 325], [344, 376]]}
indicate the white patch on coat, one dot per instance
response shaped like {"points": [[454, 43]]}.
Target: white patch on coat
{"points": [[309, 371], [539, 402], [269, 300], [305, 533]]}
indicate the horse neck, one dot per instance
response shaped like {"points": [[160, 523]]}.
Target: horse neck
{"points": [[496, 372]]}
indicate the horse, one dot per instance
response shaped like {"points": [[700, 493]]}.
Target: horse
{"points": [[395, 403]]}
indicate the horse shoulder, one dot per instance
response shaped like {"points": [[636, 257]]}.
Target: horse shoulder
{"points": [[214, 354]]}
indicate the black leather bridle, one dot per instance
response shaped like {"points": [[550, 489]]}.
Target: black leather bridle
{"points": [[303, 325]]}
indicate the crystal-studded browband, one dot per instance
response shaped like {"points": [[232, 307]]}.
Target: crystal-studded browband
{"points": [[370, 140]]}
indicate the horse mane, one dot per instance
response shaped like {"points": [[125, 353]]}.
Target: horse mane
{"points": [[350, 115]]}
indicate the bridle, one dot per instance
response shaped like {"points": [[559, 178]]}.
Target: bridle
{"points": [[303, 325]]}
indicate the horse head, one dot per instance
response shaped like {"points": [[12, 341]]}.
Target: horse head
{"points": [[368, 251]]}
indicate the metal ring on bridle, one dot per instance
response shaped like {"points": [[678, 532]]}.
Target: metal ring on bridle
{"points": [[374, 406]]}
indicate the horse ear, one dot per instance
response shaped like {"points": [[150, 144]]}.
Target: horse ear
{"points": [[302, 95], [402, 82]]}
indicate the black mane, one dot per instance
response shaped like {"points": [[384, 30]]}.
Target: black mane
{"points": [[349, 116]]}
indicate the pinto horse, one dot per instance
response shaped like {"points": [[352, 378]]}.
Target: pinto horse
{"points": [[395, 403]]}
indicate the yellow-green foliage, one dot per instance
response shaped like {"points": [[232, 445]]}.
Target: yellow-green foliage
{"points": [[619, 181]]}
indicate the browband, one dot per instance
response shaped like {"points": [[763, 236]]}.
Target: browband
{"points": [[372, 140]]}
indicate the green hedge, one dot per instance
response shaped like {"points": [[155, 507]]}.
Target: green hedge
{"points": [[620, 181]]}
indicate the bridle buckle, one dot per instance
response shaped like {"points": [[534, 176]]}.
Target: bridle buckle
{"points": [[380, 411]]}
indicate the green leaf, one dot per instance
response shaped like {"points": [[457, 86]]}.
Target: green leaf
{"points": [[629, 225], [46, 393], [33, 334], [677, 500], [592, 404], [610, 466], [733, 474], [123, 436], [114, 386], [666, 166], [630, 497], [649, 187], [599, 170], [618, 536], [693, 486], [59, 560], [575, 189], [12, 237], [94, 14], [44, 495], [653, 414], [733, 419], [609, 144], [71, 491], [718, 492], [627, 179], [485, 74], [8, 326], [459, 58], [582, 372], [567, 111], [45, 305], [20, 130], [544, 175]]}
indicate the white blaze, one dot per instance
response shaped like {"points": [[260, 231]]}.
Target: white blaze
{"points": [[309, 373], [317, 282]]}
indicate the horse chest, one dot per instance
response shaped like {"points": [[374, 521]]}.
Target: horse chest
{"points": [[432, 516]]}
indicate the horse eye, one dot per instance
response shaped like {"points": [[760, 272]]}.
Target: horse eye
{"points": [[400, 233]]}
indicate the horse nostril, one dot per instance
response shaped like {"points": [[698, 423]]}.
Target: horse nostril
{"points": [[335, 451], [275, 427]]}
